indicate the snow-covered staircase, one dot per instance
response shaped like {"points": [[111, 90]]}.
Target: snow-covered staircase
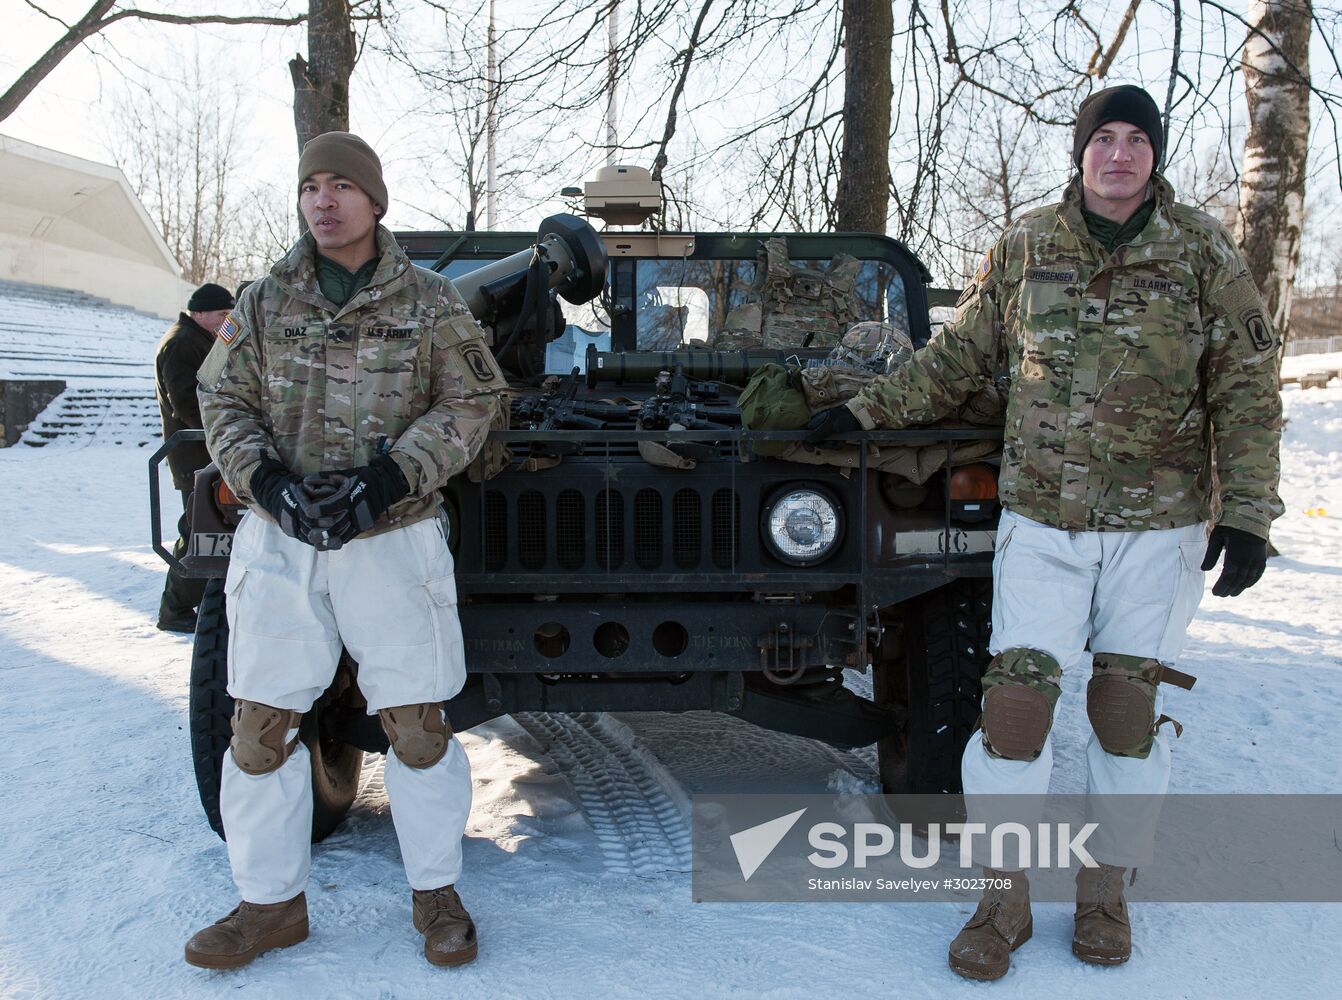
{"points": [[116, 415], [103, 352]]}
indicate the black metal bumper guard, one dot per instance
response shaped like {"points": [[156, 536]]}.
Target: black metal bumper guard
{"points": [[737, 437], [155, 505]]}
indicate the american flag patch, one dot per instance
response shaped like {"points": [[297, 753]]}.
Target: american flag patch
{"points": [[229, 330], [985, 269]]}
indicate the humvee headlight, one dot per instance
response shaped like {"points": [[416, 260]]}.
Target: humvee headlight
{"points": [[802, 527]]}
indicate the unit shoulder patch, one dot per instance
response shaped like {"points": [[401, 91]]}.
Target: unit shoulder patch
{"points": [[1260, 333], [478, 366]]}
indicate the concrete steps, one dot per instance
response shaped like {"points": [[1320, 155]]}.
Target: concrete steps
{"points": [[112, 415]]}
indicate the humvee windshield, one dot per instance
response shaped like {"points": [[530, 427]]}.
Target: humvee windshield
{"points": [[678, 302]]}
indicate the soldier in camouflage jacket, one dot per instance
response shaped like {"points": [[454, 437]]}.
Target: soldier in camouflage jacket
{"points": [[1143, 376], [345, 389], [319, 386], [1128, 372]]}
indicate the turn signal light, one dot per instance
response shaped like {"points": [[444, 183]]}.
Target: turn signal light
{"points": [[225, 496], [974, 482]]}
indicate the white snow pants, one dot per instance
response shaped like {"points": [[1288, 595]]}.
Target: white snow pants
{"points": [[1129, 592], [391, 600]]}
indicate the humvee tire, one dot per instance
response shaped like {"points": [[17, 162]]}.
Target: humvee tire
{"points": [[335, 765], [930, 665]]}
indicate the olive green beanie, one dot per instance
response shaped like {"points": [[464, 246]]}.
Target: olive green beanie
{"points": [[349, 156]]}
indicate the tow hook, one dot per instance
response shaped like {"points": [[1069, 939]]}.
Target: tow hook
{"points": [[778, 654]]}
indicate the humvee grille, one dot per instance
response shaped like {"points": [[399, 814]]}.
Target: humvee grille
{"points": [[688, 547], [531, 529], [495, 531], [609, 529], [650, 530], [726, 536], [570, 532]]}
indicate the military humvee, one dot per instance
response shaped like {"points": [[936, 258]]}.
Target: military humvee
{"points": [[624, 546]]}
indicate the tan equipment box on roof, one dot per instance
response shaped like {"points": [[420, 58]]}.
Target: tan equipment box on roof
{"points": [[623, 196]]}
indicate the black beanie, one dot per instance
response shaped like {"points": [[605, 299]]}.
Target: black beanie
{"points": [[1119, 104], [209, 297]]}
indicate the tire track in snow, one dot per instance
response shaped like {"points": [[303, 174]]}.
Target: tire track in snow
{"points": [[639, 813]]}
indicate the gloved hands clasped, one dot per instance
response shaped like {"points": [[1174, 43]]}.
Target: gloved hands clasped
{"points": [[1246, 558], [280, 492], [327, 509]]}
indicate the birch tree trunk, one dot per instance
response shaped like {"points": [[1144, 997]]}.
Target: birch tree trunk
{"points": [[1272, 182], [321, 82], [864, 165]]}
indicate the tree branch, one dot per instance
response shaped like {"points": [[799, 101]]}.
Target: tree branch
{"points": [[1102, 69], [37, 72], [94, 21], [687, 56]]}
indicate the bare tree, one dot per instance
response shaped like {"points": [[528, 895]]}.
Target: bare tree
{"points": [[862, 202], [96, 19], [180, 144], [321, 81], [448, 56], [1276, 148]]}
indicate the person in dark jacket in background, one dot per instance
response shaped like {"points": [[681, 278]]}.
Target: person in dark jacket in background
{"points": [[180, 355]]}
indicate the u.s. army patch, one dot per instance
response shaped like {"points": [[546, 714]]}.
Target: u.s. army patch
{"points": [[985, 269], [229, 330], [1145, 283]]}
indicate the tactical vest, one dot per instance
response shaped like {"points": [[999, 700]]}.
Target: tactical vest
{"points": [[800, 303], [792, 306]]}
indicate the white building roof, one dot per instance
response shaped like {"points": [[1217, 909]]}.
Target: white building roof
{"points": [[67, 222]]}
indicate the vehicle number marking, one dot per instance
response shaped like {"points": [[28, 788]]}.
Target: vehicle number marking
{"points": [[211, 543], [961, 541]]}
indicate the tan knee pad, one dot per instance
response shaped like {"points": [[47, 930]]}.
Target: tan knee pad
{"points": [[1020, 689], [259, 742], [1121, 703], [419, 733]]}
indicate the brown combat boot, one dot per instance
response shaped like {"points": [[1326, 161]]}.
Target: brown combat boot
{"points": [[1103, 935], [246, 932], [449, 932], [1001, 924]]}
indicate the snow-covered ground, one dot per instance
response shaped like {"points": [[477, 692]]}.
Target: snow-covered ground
{"points": [[577, 850]]}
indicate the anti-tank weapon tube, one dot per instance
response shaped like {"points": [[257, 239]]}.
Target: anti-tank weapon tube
{"points": [[734, 367]]}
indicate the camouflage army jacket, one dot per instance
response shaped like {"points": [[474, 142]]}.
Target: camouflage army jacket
{"points": [[1131, 373], [319, 386]]}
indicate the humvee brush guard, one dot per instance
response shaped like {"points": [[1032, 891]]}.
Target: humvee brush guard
{"points": [[626, 545]]}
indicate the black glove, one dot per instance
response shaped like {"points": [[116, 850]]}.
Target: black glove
{"points": [[1246, 558], [830, 423], [346, 503], [278, 491]]}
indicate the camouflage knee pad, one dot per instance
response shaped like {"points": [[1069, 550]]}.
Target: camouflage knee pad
{"points": [[1020, 689], [419, 733], [1121, 703], [259, 744]]}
